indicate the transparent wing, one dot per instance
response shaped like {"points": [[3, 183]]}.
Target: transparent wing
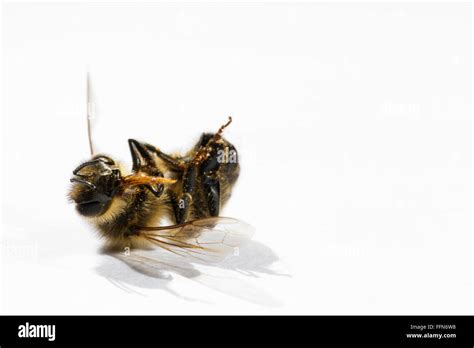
{"points": [[208, 239]]}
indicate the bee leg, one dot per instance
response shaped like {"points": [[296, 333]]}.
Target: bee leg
{"points": [[173, 163], [141, 157], [143, 162], [204, 139], [184, 201], [211, 187], [210, 183]]}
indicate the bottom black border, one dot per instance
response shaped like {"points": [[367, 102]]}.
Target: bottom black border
{"points": [[238, 330]]}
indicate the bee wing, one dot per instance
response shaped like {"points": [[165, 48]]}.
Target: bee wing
{"points": [[209, 239]]}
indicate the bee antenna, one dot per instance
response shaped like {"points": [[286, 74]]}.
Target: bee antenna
{"points": [[90, 113], [218, 134], [221, 129]]}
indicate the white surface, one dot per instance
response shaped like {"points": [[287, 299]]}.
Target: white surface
{"points": [[354, 128]]}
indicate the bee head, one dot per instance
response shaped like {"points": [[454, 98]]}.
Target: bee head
{"points": [[94, 184]]}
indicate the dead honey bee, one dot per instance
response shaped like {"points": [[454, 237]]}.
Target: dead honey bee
{"points": [[188, 190]]}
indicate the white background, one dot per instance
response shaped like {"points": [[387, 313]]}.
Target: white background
{"points": [[354, 127]]}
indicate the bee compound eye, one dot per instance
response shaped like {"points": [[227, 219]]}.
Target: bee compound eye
{"points": [[95, 204], [90, 208]]}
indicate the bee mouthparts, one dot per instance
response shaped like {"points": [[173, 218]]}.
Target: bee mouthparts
{"points": [[82, 181]]}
